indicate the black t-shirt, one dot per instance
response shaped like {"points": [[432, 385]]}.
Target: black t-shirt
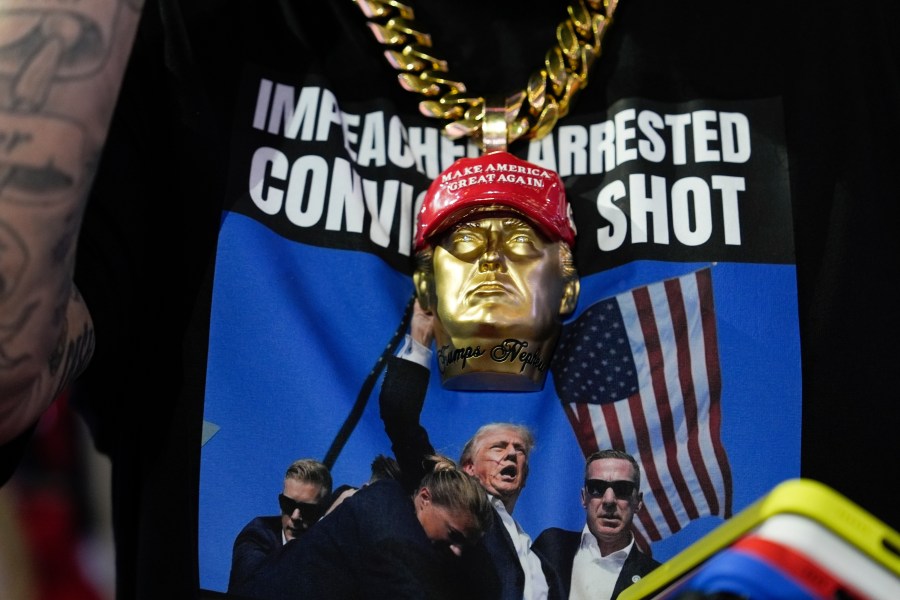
{"points": [[146, 257]]}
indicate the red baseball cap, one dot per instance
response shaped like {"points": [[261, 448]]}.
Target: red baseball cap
{"points": [[496, 179]]}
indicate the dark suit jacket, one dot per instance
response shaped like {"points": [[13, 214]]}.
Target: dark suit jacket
{"points": [[496, 563], [258, 539], [557, 548], [371, 547], [493, 564]]}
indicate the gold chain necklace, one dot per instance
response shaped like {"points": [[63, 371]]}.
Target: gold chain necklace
{"points": [[492, 122]]}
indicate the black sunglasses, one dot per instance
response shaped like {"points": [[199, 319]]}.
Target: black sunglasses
{"points": [[597, 487], [308, 512]]}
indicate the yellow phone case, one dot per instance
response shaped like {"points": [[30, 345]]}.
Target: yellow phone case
{"points": [[833, 515]]}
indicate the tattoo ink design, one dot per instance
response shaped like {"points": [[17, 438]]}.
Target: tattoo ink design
{"points": [[13, 259]]}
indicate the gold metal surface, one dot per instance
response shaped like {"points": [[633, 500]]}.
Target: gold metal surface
{"points": [[546, 96], [497, 288], [499, 291], [494, 128]]}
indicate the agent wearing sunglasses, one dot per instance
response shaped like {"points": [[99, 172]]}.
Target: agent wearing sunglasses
{"points": [[602, 559], [307, 484], [385, 542]]}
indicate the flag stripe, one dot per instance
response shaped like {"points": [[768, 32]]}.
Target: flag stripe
{"points": [[580, 419], [652, 453], [640, 372], [653, 312], [687, 379], [714, 383]]}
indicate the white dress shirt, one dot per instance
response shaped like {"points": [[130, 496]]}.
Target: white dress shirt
{"points": [[414, 351], [594, 576], [536, 587]]}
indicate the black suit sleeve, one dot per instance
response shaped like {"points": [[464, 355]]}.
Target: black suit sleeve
{"points": [[556, 548], [403, 571], [253, 546], [636, 566], [400, 402]]}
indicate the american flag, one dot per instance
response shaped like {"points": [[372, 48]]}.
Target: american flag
{"points": [[639, 372]]}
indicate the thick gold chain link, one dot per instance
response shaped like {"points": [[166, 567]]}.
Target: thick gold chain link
{"points": [[529, 113]]}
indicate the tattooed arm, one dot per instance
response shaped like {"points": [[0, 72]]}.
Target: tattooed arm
{"points": [[61, 68]]}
